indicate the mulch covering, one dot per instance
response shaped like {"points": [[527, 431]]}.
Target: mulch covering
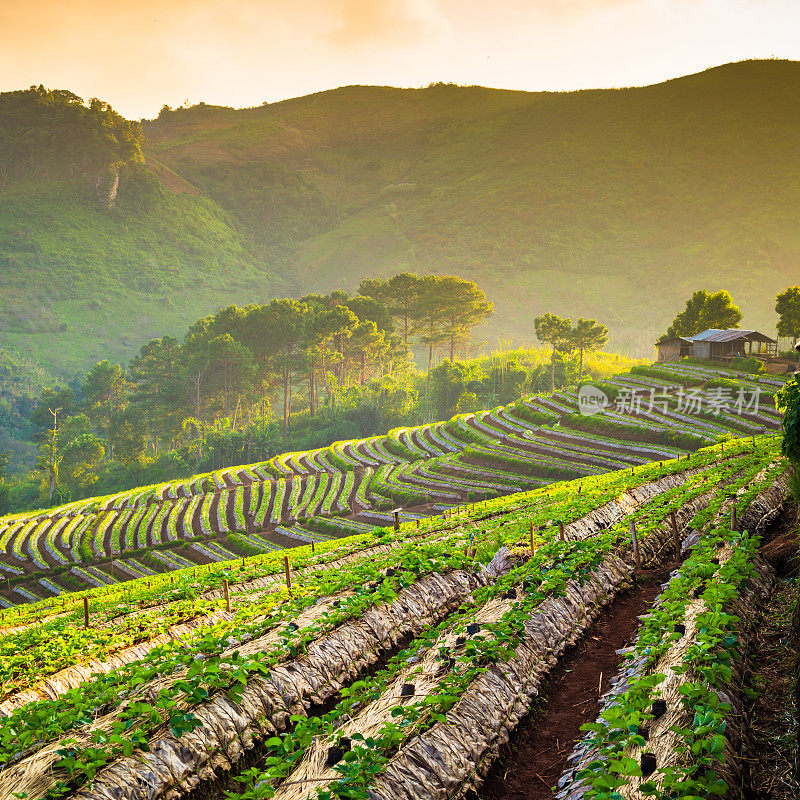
{"points": [[451, 758], [762, 511]]}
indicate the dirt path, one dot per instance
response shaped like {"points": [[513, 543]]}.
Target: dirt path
{"points": [[535, 756]]}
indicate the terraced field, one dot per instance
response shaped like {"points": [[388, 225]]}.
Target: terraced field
{"points": [[398, 662], [351, 487]]}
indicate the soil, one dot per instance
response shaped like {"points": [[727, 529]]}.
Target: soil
{"points": [[534, 758], [773, 714]]}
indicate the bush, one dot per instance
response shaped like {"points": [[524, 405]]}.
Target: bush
{"points": [[751, 365]]}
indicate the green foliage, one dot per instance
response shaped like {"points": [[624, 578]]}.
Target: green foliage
{"points": [[419, 189], [787, 306], [752, 365], [587, 335], [788, 401], [704, 311]]}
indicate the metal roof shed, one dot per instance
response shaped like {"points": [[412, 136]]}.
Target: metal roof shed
{"points": [[721, 344]]}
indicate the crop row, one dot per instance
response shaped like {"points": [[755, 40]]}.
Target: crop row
{"points": [[416, 561]]}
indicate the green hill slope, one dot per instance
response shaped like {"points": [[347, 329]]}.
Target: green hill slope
{"points": [[615, 203], [96, 255]]}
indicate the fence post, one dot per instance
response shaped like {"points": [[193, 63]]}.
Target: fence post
{"points": [[533, 546], [396, 513], [85, 611], [733, 519], [561, 530], [637, 556], [675, 538], [227, 594], [312, 548], [288, 574]]}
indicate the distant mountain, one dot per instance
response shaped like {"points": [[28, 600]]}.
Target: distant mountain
{"points": [[607, 203]]}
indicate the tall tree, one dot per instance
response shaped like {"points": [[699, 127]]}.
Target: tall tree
{"points": [[158, 376], [322, 326], [787, 305], [587, 335], [555, 331], [464, 306], [704, 311], [401, 294], [232, 370], [285, 319], [105, 388]]}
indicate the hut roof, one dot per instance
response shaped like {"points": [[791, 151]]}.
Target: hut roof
{"points": [[730, 335]]}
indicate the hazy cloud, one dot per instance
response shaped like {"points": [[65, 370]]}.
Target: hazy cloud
{"points": [[396, 22]]}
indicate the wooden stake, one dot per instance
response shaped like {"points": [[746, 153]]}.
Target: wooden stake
{"points": [[288, 574], [312, 547], [533, 545], [733, 519], [637, 556], [397, 520], [85, 612], [227, 594], [561, 530], [675, 538]]}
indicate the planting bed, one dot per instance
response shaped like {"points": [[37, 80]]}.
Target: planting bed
{"points": [[244, 511], [396, 665]]}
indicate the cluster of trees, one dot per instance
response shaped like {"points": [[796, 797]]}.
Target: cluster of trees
{"points": [[234, 369], [44, 131], [586, 336], [706, 310]]}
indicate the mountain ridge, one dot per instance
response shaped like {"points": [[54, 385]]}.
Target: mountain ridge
{"points": [[614, 203]]}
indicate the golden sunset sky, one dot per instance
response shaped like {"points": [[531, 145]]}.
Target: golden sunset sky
{"points": [[141, 54]]}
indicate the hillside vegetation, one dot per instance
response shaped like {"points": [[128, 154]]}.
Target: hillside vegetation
{"points": [[579, 203], [314, 494], [96, 255], [615, 204]]}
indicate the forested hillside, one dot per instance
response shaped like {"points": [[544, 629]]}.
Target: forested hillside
{"points": [[96, 256], [615, 204], [579, 203]]}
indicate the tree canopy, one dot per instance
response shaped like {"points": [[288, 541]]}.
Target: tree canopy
{"points": [[703, 311], [555, 331], [787, 305]]}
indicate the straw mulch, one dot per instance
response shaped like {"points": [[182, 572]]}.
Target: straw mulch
{"points": [[174, 766], [662, 742]]}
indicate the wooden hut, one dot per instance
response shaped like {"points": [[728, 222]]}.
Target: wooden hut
{"points": [[674, 348], [715, 344]]}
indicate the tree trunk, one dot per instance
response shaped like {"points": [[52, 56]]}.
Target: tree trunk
{"points": [[580, 368], [286, 394], [312, 400], [553, 369], [430, 357], [452, 349]]}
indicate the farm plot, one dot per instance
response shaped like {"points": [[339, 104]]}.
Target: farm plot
{"points": [[246, 510], [267, 676]]}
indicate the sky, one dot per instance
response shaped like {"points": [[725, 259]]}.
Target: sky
{"points": [[141, 54]]}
